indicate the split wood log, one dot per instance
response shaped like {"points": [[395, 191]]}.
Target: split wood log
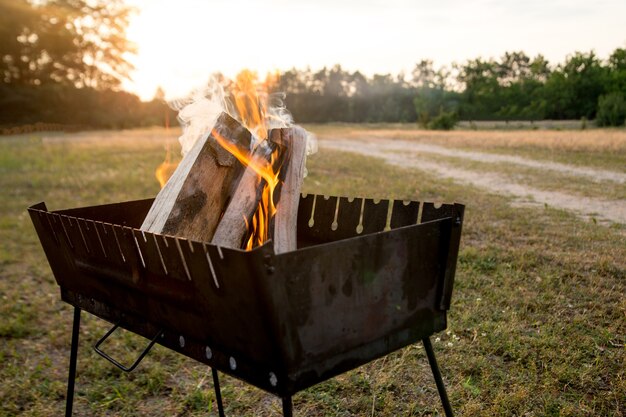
{"points": [[293, 142], [192, 201]]}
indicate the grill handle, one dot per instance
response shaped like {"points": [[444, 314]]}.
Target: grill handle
{"points": [[96, 347]]}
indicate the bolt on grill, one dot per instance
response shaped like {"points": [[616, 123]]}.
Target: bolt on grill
{"points": [[368, 277]]}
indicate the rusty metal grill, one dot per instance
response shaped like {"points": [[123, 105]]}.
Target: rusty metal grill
{"points": [[368, 277]]}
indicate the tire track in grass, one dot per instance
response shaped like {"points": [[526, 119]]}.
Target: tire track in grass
{"points": [[594, 174], [585, 207]]}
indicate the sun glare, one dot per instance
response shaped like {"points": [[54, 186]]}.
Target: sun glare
{"points": [[181, 43], [179, 47]]}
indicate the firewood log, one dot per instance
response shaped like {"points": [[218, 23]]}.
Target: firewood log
{"points": [[293, 143], [192, 201]]}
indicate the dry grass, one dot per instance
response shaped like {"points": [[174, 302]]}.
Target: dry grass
{"points": [[132, 140], [597, 140], [604, 140]]}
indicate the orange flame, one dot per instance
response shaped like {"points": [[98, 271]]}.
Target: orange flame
{"points": [[259, 232], [250, 100], [166, 169]]}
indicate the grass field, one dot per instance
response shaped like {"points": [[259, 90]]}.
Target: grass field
{"points": [[538, 319]]}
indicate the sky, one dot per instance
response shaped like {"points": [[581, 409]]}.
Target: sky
{"points": [[180, 43]]}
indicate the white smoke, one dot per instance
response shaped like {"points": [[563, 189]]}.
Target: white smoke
{"points": [[277, 113], [198, 112], [280, 117]]}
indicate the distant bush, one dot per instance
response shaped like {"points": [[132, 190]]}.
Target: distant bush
{"points": [[423, 118], [611, 110], [443, 121]]}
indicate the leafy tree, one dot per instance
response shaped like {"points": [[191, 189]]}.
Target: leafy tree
{"points": [[572, 90], [611, 110], [425, 76], [617, 71], [513, 68], [431, 96], [521, 81], [75, 42], [481, 90]]}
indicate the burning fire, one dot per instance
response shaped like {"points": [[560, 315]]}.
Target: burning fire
{"points": [[251, 103], [267, 172], [247, 100], [166, 169]]}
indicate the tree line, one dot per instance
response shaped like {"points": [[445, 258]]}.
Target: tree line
{"points": [[63, 62], [514, 87]]}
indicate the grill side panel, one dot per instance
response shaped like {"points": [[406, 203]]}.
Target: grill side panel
{"points": [[205, 293], [342, 304]]}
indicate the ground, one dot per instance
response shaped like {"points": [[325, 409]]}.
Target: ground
{"points": [[538, 318], [528, 180]]}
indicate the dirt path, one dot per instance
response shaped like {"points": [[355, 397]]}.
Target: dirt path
{"points": [[400, 153], [404, 146]]}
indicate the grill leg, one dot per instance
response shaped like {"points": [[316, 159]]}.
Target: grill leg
{"points": [[69, 402], [438, 380], [218, 392], [287, 407]]}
